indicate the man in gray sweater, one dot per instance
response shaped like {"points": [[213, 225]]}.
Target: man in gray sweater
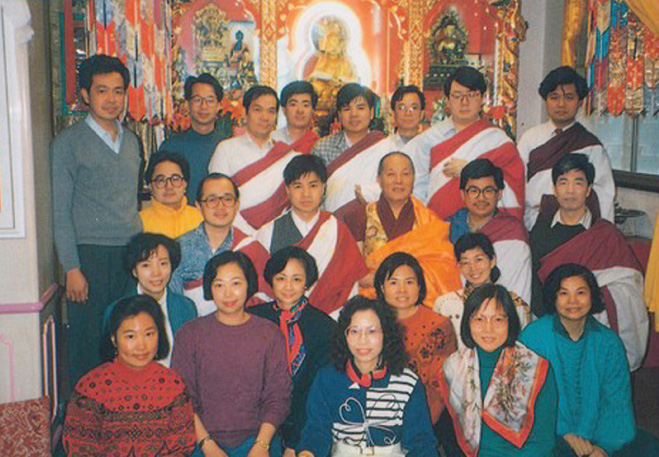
{"points": [[96, 165]]}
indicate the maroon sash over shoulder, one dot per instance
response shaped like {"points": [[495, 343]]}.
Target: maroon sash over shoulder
{"points": [[369, 140], [306, 143], [480, 140], [544, 157], [604, 250], [504, 227], [340, 264], [272, 202]]}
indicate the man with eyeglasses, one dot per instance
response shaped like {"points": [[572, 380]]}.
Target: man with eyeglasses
{"points": [[169, 214], [441, 152], [399, 222], [481, 186], [255, 162], [203, 96], [407, 105], [542, 146], [218, 199]]}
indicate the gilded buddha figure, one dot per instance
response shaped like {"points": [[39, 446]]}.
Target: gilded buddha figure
{"points": [[333, 67]]}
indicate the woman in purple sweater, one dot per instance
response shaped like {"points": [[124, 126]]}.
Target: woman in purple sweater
{"points": [[235, 366]]}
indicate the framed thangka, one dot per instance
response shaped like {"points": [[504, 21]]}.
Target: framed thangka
{"points": [[220, 38]]}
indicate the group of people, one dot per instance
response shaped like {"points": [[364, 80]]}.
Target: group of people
{"points": [[289, 295]]}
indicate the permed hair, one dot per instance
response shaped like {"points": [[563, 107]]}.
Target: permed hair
{"points": [[503, 299], [160, 157], [144, 245], [225, 258], [130, 307], [470, 241], [393, 354], [468, 77], [390, 264], [569, 270], [298, 87], [100, 64], [575, 161], [304, 164], [278, 261], [204, 78], [411, 89], [481, 168], [562, 76]]}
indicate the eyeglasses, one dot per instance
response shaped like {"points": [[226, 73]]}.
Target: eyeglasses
{"points": [[175, 180], [475, 192], [197, 100], [227, 200], [498, 322], [461, 96], [370, 332]]}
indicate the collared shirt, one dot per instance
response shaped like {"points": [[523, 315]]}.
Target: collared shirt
{"points": [[283, 135], [234, 154], [168, 325], [115, 145], [586, 220], [196, 250], [302, 226], [419, 147], [330, 147]]}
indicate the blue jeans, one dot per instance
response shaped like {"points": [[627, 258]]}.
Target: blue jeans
{"points": [[243, 448]]}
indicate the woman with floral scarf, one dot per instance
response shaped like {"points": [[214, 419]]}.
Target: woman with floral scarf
{"points": [[502, 396]]}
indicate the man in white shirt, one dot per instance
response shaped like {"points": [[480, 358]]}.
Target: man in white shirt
{"points": [[255, 162], [298, 100], [407, 105], [563, 90]]}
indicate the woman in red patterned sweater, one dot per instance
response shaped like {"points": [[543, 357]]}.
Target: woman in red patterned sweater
{"points": [[131, 405]]}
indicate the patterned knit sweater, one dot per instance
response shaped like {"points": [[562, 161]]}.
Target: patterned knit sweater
{"points": [[116, 411]]}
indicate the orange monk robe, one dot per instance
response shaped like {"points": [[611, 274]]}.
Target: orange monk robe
{"points": [[429, 242]]}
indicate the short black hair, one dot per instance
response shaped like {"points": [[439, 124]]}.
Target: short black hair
{"points": [[164, 156], [278, 261], [481, 168], [569, 270], [255, 92], [304, 164], [469, 77], [100, 64], [393, 354], [390, 264], [204, 78], [575, 161], [143, 245], [129, 307], [351, 91], [476, 299], [474, 240], [215, 176], [562, 76], [392, 153], [224, 258], [298, 87], [411, 89]]}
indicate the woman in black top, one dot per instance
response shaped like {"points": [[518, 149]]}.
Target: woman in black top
{"points": [[291, 271]]}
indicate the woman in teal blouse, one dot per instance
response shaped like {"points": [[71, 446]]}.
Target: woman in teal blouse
{"points": [[501, 395]]}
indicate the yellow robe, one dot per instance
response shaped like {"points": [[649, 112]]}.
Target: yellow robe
{"points": [[652, 278], [159, 218]]}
